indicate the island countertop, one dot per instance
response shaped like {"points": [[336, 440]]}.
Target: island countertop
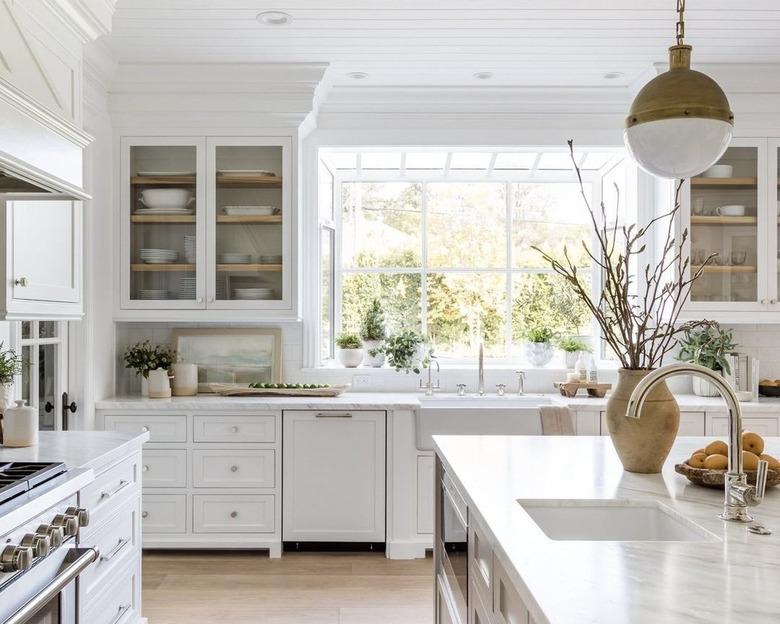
{"points": [[733, 579]]}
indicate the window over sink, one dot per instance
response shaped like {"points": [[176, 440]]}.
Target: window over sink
{"points": [[444, 239]]}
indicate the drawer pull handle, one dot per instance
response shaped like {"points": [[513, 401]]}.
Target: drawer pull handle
{"points": [[144, 514], [234, 469], [146, 468], [121, 613], [122, 485], [21, 281], [117, 549], [145, 428], [234, 514], [234, 429], [334, 415]]}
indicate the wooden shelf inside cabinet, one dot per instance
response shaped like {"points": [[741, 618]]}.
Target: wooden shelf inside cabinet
{"points": [[162, 268], [162, 180], [249, 219], [714, 268], [724, 182], [248, 181], [162, 218], [249, 268], [702, 220]]}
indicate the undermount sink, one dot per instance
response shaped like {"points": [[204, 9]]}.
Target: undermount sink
{"points": [[613, 521]]}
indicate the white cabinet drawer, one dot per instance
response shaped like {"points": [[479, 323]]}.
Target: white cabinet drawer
{"points": [[259, 428], [161, 427], [164, 513], [118, 601], [109, 489], [508, 607], [234, 468], [765, 426], [480, 560], [116, 541], [164, 468], [224, 513]]}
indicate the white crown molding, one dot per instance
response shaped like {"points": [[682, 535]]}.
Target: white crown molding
{"points": [[87, 19], [42, 115]]}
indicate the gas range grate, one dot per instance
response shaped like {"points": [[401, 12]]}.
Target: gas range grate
{"points": [[19, 477]]}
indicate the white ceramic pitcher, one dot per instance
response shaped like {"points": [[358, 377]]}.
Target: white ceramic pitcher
{"points": [[159, 384]]}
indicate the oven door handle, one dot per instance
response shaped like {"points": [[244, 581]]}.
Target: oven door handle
{"points": [[80, 559]]}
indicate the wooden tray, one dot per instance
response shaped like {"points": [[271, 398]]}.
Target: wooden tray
{"points": [[715, 478], [232, 390], [570, 388]]}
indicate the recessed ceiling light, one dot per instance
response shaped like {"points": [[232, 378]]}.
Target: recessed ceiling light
{"points": [[358, 75], [274, 18], [483, 75], [613, 75]]}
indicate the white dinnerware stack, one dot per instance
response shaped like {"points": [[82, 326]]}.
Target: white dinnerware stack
{"points": [[250, 211], [234, 258], [187, 288], [251, 294], [190, 248], [159, 256], [270, 259], [150, 294], [221, 286]]}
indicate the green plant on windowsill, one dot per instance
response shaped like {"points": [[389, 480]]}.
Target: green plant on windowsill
{"points": [[10, 365], [372, 325], [142, 357], [572, 344], [708, 345], [406, 351], [539, 334], [538, 347], [348, 340]]}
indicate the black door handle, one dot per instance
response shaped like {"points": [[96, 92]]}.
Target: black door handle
{"points": [[49, 407], [68, 407]]}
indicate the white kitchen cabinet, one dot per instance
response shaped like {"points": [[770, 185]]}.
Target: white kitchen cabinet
{"points": [[223, 248], [334, 476], [718, 425], [42, 264], [425, 511], [508, 606]]}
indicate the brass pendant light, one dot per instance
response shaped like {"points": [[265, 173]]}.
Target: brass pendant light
{"points": [[680, 122]]}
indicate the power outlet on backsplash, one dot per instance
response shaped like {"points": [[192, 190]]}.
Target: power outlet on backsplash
{"points": [[361, 381]]}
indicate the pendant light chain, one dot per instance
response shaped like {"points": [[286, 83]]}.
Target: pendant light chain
{"points": [[680, 21]]}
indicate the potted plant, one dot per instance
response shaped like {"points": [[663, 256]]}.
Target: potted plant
{"points": [[637, 315], [572, 347], [349, 349], [538, 346], [10, 366], [406, 351], [372, 331], [143, 358], [708, 345]]}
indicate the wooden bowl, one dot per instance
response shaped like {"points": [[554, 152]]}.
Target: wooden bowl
{"points": [[769, 391], [715, 478]]}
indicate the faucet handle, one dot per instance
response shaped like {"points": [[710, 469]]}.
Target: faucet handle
{"points": [[760, 487], [461, 389], [500, 389]]}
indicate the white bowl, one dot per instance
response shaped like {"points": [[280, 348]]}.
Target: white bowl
{"points": [[719, 171], [166, 197], [732, 210]]}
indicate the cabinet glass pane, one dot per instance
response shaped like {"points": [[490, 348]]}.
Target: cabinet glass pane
{"points": [[724, 203], [163, 243], [249, 223]]}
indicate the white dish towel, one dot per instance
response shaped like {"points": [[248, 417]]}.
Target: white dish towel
{"points": [[556, 420]]}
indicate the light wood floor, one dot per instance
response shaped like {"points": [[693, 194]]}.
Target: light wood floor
{"points": [[196, 587]]}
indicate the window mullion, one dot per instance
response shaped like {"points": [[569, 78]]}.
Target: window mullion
{"points": [[509, 262], [424, 262]]}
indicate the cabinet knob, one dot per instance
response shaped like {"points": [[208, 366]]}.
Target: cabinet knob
{"points": [[144, 514], [21, 281], [146, 468], [234, 514], [144, 428], [234, 429], [234, 469]]}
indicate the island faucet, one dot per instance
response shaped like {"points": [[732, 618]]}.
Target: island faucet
{"points": [[738, 494], [481, 384]]}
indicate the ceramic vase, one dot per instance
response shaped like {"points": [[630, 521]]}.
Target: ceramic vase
{"points": [[643, 443], [185, 379], [539, 353], [159, 384], [375, 361], [571, 358], [20, 425], [350, 358]]}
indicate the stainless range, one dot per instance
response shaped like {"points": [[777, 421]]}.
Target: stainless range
{"points": [[40, 561]]}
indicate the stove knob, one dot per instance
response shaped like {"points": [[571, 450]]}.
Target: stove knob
{"points": [[55, 534], [40, 544], [82, 515], [16, 559], [68, 524]]}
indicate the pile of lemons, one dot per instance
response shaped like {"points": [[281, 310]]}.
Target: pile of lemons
{"points": [[714, 456]]}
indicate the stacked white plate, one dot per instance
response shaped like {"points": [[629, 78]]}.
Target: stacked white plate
{"points": [[253, 293], [247, 211], [159, 256], [165, 211], [245, 172], [187, 289], [221, 284], [234, 258], [166, 173], [270, 259], [153, 294], [190, 248]]}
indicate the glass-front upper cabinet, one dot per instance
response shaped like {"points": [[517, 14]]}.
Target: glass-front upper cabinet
{"points": [[248, 223], [163, 201], [727, 215]]}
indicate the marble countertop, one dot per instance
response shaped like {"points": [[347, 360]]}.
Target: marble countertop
{"points": [[733, 579], [687, 402]]}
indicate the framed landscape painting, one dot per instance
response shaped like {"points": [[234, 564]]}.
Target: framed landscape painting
{"points": [[231, 356]]}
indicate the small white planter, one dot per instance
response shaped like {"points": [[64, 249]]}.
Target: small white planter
{"points": [[571, 358], [350, 358], [375, 361], [539, 353], [704, 388]]}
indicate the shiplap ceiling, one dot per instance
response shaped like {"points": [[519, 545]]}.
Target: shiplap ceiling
{"points": [[445, 42]]}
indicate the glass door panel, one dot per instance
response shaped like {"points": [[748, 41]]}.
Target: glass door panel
{"points": [[248, 260], [163, 232], [725, 221], [44, 373]]}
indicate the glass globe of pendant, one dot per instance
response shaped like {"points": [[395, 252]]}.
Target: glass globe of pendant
{"points": [[680, 123]]}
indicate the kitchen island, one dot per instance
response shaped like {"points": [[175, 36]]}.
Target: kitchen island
{"points": [[516, 573]]}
